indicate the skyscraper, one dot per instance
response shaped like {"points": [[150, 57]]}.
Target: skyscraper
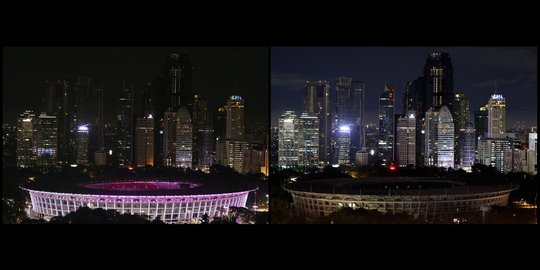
{"points": [[344, 145], [170, 121], [349, 101], [288, 145], [386, 124], [205, 148], [496, 116], [461, 117], [430, 136], [89, 112], [492, 152], [406, 139], [439, 74], [144, 141], [220, 122], [175, 88], [318, 101], [308, 152], [467, 145], [481, 122], [202, 133], [445, 139], [46, 140], [82, 144], [58, 103], [125, 127], [417, 99], [235, 118], [184, 139], [26, 133]]}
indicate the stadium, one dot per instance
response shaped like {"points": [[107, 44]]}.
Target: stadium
{"points": [[429, 199], [172, 201]]}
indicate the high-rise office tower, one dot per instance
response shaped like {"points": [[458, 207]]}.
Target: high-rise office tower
{"points": [[496, 116], [461, 110], [533, 141], [234, 154], [88, 95], [349, 101], [144, 141], [125, 127], [57, 103], [184, 139], [439, 74], [416, 99], [445, 138], [26, 134], [308, 152], [235, 118], [274, 148], [202, 131], [467, 145], [174, 86], [170, 120], [318, 101], [461, 117], [430, 144], [406, 139], [46, 140], [344, 145], [288, 145], [205, 148], [220, 122], [82, 144], [386, 124], [481, 122], [492, 152], [170, 91]]}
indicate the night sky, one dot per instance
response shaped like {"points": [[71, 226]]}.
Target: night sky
{"points": [[475, 69], [217, 71]]}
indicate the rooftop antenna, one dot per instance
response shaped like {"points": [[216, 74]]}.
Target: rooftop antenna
{"points": [[496, 86]]}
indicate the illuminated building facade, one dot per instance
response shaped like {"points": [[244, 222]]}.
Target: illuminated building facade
{"points": [[406, 139], [386, 124], [235, 118], [467, 144], [288, 143], [26, 133], [83, 134], [144, 141], [496, 116], [445, 139], [46, 140], [184, 139], [308, 142], [344, 145]]}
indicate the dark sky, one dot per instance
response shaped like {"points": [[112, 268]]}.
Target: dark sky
{"points": [[475, 69], [217, 70]]}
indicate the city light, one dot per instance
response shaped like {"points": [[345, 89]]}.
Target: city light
{"points": [[344, 129], [83, 128], [27, 120]]}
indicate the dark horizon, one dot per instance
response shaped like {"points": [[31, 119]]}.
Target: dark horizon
{"points": [[475, 71], [218, 74]]}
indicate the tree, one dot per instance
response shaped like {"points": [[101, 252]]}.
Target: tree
{"points": [[205, 219]]}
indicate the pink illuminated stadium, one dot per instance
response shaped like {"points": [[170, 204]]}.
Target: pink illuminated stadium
{"points": [[172, 201]]}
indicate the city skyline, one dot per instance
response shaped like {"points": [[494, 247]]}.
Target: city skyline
{"points": [[475, 71], [218, 74]]}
